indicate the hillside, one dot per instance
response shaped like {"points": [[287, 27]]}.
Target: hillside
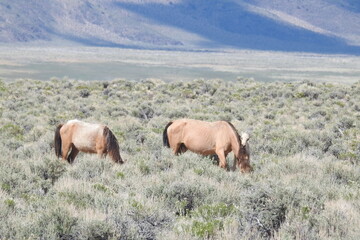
{"points": [[312, 26]]}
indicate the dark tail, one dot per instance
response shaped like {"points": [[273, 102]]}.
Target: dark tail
{"points": [[57, 141], [112, 146], [165, 136]]}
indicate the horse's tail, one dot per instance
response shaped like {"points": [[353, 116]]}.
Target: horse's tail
{"points": [[112, 146], [57, 141], [165, 136]]}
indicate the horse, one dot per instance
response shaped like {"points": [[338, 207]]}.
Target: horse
{"points": [[86, 137], [208, 138]]}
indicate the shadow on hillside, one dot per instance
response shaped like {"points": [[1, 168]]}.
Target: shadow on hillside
{"points": [[226, 23]]}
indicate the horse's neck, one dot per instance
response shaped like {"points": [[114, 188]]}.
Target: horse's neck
{"points": [[235, 145]]}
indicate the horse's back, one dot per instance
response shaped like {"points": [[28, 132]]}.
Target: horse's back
{"points": [[84, 135], [182, 128], [199, 136], [201, 127]]}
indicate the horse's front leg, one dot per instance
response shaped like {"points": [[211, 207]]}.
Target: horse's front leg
{"points": [[101, 148], [101, 153], [235, 163], [222, 157]]}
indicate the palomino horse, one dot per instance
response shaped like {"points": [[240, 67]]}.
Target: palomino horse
{"points": [[208, 138], [85, 137]]}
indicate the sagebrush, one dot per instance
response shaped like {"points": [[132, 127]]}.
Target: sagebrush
{"points": [[305, 151]]}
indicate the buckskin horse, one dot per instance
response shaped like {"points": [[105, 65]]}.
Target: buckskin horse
{"points": [[78, 136], [208, 138]]}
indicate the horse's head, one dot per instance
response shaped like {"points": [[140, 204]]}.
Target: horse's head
{"points": [[244, 139], [244, 156]]}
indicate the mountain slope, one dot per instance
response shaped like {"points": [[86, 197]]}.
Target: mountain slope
{"points": [[313, 26], [337, 18]]}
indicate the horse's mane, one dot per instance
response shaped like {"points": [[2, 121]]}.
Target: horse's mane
{"points": [[112, 145], [236, 134]]}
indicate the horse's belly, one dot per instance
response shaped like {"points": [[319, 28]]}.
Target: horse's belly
{"points": [[203, 150], [208, 152], [85, 144]]}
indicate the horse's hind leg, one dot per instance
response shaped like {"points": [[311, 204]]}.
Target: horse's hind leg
{"points": [[180, 148], [101, 151], [176, 149], [65, 149], [74, 152]]}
